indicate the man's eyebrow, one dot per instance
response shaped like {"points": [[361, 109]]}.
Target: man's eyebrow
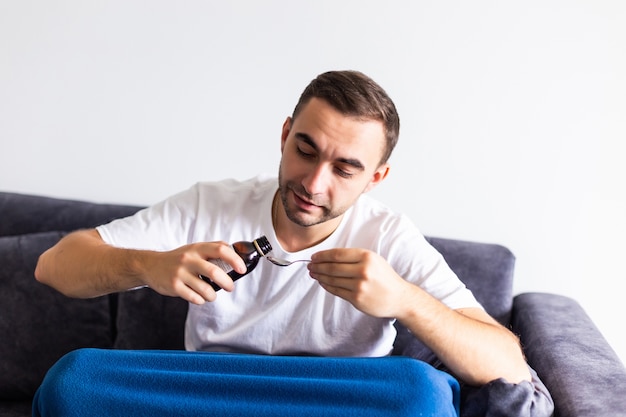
{"points": [[303, 137], [355, 163]]}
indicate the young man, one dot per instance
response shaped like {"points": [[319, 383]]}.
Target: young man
{"points": [[369, 266]]}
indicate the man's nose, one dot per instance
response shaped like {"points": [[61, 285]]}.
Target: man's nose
{"points": [[316, 182]]}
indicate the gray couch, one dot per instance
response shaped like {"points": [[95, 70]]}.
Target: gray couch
{"points": [[39, 325]]}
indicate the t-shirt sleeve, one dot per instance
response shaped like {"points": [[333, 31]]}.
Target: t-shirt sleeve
{"points": [[163, 226], [417, 261]]}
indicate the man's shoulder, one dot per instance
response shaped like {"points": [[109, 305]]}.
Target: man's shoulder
{"points": [[259, 184], [372, 208], [373, 214]]}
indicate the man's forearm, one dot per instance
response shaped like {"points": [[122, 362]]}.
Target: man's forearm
{"points": [[81, 265], [469, 342]]}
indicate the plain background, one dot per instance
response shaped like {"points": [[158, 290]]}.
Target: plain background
{"points": [[513, 113]]}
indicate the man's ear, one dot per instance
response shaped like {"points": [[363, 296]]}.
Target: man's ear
{"points": [[379, 175], [285, 133]]}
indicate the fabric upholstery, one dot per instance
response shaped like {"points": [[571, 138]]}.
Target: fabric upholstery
{"points": [[571, 355], [37, 324], [34, 214], [16, 408], [487, 269], [147, 320]]}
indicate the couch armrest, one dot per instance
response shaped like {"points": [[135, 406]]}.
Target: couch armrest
{"points": [[582, 372]]}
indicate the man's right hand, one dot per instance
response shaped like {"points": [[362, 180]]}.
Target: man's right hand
{"points": [[177, 272], [82, 265]]}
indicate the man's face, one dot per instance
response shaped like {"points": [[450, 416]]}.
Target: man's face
{"points": [[328, 161]]}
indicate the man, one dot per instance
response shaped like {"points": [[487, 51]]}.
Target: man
{"points": [[369, 266]]}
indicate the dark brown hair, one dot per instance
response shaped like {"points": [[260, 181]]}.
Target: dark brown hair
{"points": [[353, 93]]}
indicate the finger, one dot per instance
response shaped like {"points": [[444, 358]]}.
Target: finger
{"points": [[215, 276], [346, 270], [226, 254], [338, 255], [345, 283], [195, 296], [206, 287], [338, 291]]}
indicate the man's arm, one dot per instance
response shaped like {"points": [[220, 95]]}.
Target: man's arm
{"points": [[469, 342], [82, 265]]}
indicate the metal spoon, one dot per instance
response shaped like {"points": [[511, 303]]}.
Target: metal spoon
{"points": [[283, 262]]}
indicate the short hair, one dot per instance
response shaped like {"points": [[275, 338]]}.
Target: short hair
{"points": [[353, 93]]}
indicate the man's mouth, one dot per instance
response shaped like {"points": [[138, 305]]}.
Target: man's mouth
{"points": [[303, 203]]}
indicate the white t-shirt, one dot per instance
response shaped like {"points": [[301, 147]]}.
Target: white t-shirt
{"points": [[283, 311]]}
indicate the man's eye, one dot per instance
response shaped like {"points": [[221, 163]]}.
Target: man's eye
{"points": [[343, 173], [304, 154]]}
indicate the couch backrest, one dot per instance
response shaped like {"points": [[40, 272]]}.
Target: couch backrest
{"points": [[487, 269], [22, 213]]}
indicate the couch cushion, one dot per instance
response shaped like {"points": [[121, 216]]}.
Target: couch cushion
{"points": [[21, 408], [38, 324], [148, 320]]}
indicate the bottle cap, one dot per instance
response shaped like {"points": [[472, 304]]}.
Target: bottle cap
{"points": [[262, 245]]}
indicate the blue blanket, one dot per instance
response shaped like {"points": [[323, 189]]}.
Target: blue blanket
{"points": [[93, 382]]}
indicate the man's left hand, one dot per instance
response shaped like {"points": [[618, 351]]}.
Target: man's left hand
{"points": [[361, 277]]}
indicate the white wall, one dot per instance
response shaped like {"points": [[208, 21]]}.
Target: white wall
{"points": [[512, 112]]}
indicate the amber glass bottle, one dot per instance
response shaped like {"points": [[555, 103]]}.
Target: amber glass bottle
{"points": [[250, 252]]}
